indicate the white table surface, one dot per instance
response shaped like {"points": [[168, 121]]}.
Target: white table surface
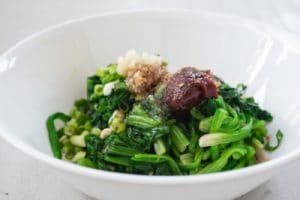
{"points": [[23, 178]]}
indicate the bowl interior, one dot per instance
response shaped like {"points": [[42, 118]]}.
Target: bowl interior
{"points": [[48, 72]]}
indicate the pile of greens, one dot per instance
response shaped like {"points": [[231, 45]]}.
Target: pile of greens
{"points": [[117, 133]]}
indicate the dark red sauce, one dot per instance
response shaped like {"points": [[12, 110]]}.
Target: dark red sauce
{"points": [[188, 88]]}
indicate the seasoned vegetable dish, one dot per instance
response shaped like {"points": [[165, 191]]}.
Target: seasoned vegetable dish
{"points": [[139, 118]]}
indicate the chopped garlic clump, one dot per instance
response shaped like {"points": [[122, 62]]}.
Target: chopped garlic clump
{"points": [[133, 60], [143, 72]]}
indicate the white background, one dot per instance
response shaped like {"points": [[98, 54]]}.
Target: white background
{"points": [[23, 178]]}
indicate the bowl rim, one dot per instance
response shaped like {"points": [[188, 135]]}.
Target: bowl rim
{"points": [[61, 165]]}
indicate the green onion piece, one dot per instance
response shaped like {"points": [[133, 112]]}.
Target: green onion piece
{"points": [[178, 138], [206, 155], [213, 139], [78, 140], [98, 89], [160, 147], [256, 143], [53, 133], [279, 137], [71, 127], [194, 165], [204, 124], [100, 72], [219, 164], [96, 131], [117, 125], [79, 155], [218, 119], [68, 151], [186, 158]]}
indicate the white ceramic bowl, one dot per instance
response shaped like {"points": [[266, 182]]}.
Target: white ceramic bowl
{"points": [[47, 72]]}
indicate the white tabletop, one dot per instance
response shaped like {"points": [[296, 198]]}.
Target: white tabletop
{"points": [[23, 178]]}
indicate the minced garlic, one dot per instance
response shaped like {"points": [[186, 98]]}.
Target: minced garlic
{"points": [[143, 72]]}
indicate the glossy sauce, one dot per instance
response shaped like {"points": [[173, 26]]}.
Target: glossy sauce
{"points": [[188, 88]]}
